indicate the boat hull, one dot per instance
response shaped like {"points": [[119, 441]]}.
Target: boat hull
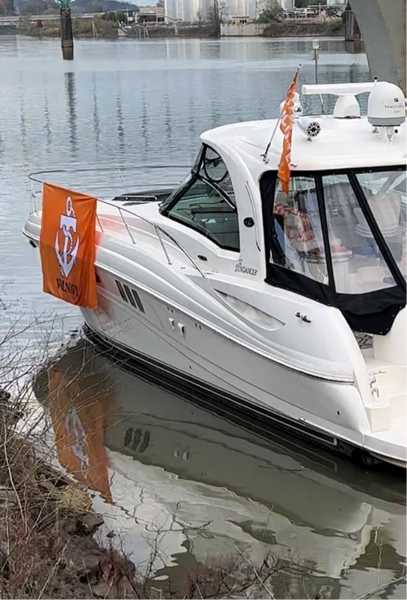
{"points": [[219, 400], [173, 319], [182, 355]]}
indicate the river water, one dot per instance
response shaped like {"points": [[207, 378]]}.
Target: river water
{"points": [[211, 486]]}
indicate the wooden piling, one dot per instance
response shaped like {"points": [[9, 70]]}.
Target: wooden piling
{"points": [[66, 33]]}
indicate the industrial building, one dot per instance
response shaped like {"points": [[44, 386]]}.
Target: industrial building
{"points": [[194, 10], [188, 10]]}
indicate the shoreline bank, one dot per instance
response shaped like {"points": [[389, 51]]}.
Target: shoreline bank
{"points": [[104, 29]]}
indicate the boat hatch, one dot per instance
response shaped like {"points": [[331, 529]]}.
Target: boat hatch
{"points": [[340, 238]]}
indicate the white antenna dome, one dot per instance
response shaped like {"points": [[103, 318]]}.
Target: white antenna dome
{"points": [[386, 105]]}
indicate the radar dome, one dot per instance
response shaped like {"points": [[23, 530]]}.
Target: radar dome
{"points": [[386, 105]]}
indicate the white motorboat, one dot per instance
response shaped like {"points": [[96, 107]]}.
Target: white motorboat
{"points": [[291, 306]]}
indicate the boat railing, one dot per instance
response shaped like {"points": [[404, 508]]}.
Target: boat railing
{"points": [[112, 181], [99, 183], [160, 232]]}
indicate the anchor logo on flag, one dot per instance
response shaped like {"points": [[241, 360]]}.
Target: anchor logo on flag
{"points": [[67, 258]]}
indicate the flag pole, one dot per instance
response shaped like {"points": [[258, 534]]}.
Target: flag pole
{"points": [[265, 155]]}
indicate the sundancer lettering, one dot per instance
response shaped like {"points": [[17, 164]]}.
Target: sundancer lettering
{"points": [[240, 268]]}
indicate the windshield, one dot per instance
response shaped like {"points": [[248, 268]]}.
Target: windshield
{"points": [[206, 202], [209, 168]]}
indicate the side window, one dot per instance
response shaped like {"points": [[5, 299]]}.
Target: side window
{"points": [[203, 207], [358, 264], [299, 244]]}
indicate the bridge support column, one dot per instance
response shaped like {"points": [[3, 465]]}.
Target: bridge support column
{"points": [[66, 33], [383, 27], [352, 31]]}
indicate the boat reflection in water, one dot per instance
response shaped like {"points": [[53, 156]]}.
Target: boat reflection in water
{"points": [[215, 487]]}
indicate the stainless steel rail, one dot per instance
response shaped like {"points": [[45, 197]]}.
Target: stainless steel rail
{"points": [[41, 177]]}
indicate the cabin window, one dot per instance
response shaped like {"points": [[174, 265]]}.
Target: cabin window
{"points": [[210, 210], [298, 231]]}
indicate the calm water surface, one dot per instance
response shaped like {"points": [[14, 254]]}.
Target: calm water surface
{"points": [[213, 487]]}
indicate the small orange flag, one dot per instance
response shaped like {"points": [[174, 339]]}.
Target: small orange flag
{"points": [[286, 126], [67, 245]]}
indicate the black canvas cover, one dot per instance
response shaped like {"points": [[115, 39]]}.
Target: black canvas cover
{"points": [[373, 312]]}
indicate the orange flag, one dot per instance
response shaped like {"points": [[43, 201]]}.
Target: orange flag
{"points": [[67, 245], [286, 126]]}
